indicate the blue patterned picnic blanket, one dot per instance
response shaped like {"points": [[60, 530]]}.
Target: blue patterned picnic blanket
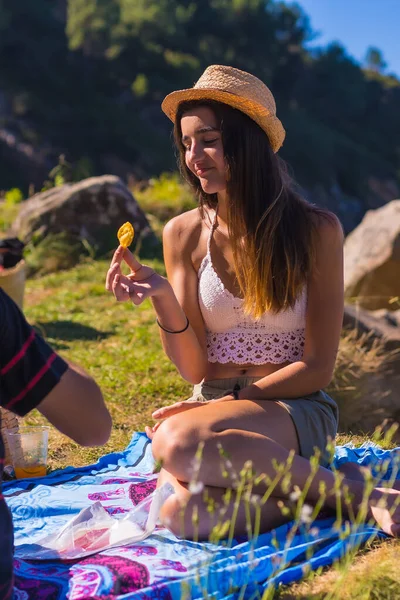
{"points": [[163, 566]]}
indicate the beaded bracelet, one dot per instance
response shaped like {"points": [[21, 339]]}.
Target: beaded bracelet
{"points": [[169, 330]]}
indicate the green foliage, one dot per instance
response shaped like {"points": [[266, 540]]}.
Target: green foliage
{"points": [[54, 253], [64, 172], [8, 214], [113, 61], [374, 60], [140, 86], [13, 196], [165, 196]]}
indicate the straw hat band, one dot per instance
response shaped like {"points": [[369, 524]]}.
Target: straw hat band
{"points": [[238, 89]]}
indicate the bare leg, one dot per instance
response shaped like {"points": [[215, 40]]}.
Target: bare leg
{"points": [[247, 430], [179, 510], [356, 471]]}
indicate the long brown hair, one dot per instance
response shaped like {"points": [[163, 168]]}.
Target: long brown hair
{"points": [[272, 229]]}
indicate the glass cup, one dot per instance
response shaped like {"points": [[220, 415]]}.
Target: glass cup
{"points": [[28, 449]]}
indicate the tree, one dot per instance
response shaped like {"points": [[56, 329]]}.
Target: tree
{"points": [[374, 60]]}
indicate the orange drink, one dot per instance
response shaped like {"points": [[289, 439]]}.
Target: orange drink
{"points": [[28, 449], [30, 471]]}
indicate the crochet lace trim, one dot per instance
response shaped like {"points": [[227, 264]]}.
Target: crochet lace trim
{"points": [[243, 347]]}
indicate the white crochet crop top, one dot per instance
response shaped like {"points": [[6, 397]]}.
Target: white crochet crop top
{"points": [[234, 337]]}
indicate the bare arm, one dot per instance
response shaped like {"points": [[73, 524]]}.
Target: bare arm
{"points": [[173, 299], [187, 350], [75, 406], [323, 326]]}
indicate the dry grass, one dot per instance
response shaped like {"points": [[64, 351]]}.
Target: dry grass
{"points": [[360, 383], [373, 576]]}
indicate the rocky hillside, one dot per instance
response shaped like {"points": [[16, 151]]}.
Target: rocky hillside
{"points": [[87, 80]]}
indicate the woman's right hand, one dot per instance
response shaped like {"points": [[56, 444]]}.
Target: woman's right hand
{"points": [[142, 282]]}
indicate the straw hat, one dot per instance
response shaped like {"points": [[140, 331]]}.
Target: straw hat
{"points": [[240, 90]]}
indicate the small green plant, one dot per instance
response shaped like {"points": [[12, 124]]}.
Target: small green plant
{"points": [[59, 175], [56, 252], [13, 196], [9, 209], [65, 172]]}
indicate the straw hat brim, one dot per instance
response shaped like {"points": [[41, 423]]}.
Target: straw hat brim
{"points": [[268, 122]]}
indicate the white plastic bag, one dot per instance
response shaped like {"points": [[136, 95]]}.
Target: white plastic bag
{"points": [[94, 530]]}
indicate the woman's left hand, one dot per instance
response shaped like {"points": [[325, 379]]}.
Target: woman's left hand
{"points": [[168, 411], [178, 407]]}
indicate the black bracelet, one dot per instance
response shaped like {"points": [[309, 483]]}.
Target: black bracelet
{"points": [[169, 331], [235, 391]]}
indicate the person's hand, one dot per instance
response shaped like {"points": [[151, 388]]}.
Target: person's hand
{"points": [[150, 431], [142, 282], [178, 407], [168, 411], [184, 405]]}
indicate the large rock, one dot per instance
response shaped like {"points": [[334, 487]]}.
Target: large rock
{"points": [[372, 259], [92, 209]]}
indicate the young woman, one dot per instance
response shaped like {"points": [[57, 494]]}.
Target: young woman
{"points": [[251, 312]]}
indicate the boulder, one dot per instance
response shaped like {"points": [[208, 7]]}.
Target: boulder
{"points": [[90, 210], [372, 259]]}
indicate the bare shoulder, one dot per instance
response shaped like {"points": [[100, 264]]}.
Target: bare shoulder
{"points": [[184, 231], [329, 231]]}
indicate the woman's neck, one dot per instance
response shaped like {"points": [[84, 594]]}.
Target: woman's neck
{"points": [[223, 210]]}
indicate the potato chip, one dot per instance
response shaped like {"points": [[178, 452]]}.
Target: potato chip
{"points": [[126, 234]]}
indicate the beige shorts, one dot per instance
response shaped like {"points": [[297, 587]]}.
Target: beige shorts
{"points": [[315, 416]]}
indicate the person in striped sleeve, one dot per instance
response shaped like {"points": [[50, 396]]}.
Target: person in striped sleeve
{"points": [[32, 375]]}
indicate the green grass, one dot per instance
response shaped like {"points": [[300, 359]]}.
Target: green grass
{"points": [[117, 343]]}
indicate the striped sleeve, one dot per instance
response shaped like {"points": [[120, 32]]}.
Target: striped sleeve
{"points": [[29, 368]]}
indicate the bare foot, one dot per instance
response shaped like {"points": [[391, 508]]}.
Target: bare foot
{"points": [[384, 506]]}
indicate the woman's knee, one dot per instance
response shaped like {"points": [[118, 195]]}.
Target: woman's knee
{"points": [[175, 441]]}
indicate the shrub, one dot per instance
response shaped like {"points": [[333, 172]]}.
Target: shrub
{"points": [[55, 252], [13, 196], [164, 197]]}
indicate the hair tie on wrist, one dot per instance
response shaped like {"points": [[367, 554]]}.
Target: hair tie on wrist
{"points": [[235, 391], [144, 279], [169, 330]]}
